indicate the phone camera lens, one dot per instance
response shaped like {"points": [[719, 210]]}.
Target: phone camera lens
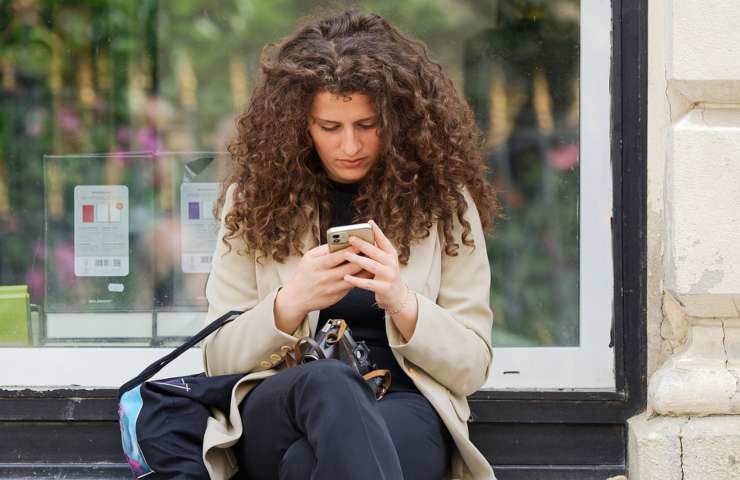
{"points": [[336, 236]]}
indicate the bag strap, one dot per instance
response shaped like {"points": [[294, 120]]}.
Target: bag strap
{"points": [[155, 367]]}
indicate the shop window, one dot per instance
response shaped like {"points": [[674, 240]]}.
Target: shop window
{"points": [[113, 120]]}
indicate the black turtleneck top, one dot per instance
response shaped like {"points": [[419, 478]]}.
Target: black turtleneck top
{"points": [[357, 308]]}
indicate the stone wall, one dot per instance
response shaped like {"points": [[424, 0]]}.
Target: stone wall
{"points": [[691, 429]]}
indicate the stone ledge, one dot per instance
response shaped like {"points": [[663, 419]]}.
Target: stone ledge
{"points": [[703, 376], [684, 93], [709, 305], [684, 448]]}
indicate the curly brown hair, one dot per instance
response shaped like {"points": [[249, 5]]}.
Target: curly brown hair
{"points": [[430, 144]]}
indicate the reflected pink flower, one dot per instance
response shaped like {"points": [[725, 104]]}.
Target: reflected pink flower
{"points": [[35, 274], [68, 120], [123, 135], [147, 139], [64, 260], [564, 157], [35, 281]]}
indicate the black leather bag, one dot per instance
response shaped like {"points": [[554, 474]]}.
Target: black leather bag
{"points": [[335, 340], [163, 421]]}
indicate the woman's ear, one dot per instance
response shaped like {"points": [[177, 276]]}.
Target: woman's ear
{"points": [[308, 131]]}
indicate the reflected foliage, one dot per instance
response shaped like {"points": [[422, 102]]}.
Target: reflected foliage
{"points": [[115, 76], [521, 78]]}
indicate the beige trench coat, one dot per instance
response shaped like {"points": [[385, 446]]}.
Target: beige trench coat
{"points": [[448, 356]]}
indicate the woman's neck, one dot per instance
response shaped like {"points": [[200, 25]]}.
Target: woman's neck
{"points": [[344, 187]]}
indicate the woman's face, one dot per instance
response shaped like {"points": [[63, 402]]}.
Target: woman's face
{"points": [[345, 134]]}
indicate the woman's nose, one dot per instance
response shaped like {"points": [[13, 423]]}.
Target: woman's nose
{"points": [[350, 143]]}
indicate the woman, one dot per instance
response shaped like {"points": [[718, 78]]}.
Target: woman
{"points": [[351, 122]]}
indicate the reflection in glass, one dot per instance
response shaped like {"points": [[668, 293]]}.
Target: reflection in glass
{"points": [[521, 78], [185, 235], [115, 77]]}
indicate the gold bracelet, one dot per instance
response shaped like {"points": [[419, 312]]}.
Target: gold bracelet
{"points": [[403, 303]]}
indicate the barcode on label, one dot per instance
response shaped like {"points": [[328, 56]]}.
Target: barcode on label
{"points": [[206, 259], [106, 262]]}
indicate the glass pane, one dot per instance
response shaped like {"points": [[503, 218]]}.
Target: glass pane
{"points": [[521, 78], [127, 81]]}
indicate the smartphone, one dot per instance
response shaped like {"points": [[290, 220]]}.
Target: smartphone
{"points": [[338, 237]]}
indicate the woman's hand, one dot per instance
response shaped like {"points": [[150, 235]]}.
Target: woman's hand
{"points": [[391, 294], [318, 282]]}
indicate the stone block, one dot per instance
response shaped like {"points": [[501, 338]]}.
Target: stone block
{"points": [[702, 194], [654, 448], [711, 448], [704, 41], [681, 448], [691, 391]]}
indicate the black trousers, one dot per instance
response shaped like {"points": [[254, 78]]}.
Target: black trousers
{"points": [[320, 421]]}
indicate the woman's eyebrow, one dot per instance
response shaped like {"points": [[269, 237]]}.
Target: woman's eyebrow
{"points": [[339, 123]]}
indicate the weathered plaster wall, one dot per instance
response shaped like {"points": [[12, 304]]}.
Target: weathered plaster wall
{"points": [[693, 170], [691, 430], [658, 122]]}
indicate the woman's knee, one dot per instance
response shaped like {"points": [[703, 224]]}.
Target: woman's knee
{"points": [[329, 368], [331, 375]]}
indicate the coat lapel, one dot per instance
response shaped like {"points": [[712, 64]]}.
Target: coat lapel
{"points": [[286, 269]]}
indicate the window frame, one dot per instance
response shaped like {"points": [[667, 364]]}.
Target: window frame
{"points": [[555, 425], [629, 226], [589, 364]]}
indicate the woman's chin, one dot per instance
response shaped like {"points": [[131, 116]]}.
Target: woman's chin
{"points": [[348, 177]]}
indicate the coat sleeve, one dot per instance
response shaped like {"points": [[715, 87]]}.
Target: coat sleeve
{"points": [[252, 341], [452, 338]]}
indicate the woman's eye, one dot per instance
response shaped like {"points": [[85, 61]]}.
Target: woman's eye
{"points": [[364, 126]]}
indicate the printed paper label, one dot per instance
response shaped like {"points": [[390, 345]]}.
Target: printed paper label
{"points": [[198, 227], [101, 231]]}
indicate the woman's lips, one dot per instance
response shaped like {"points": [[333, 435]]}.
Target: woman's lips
{"points": [[352, 163]]}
